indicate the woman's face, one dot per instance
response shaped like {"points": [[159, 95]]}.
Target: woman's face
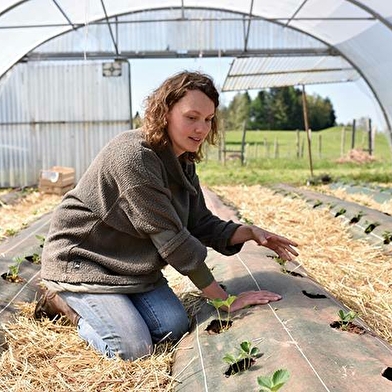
{"points": [[189, 121]]}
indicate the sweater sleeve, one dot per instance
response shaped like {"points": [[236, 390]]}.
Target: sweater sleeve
{"points": [[209, 228]]}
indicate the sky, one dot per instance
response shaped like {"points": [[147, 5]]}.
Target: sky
{"points": [[350, 100]]}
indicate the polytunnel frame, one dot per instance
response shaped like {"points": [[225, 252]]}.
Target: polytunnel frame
{"points": [[248, 17]]}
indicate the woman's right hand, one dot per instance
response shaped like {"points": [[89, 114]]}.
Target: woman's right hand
{"points": [[248, 298]]}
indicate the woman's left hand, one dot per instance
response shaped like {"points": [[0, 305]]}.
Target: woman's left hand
{"points": [[282, 246]]}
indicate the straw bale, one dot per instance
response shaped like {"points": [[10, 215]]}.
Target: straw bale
{"points": [[355, 272]]}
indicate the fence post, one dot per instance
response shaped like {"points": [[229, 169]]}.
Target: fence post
{"points": [[297, 142], [343, 141], [353, 135], [276, 148], [320, 144]]}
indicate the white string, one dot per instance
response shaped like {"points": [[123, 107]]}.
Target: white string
{"points": [[201, 356], [17, 294], [284, 327]]}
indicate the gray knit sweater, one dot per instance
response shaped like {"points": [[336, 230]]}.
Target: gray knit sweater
{"points": [[134, 211]]}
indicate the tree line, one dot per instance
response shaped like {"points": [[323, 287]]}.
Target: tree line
{"points": [[278, 108]]}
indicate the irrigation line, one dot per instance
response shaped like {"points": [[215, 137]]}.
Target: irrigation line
{"points": [[16, 295], [28, 236], [201, 356], [284, 327]]}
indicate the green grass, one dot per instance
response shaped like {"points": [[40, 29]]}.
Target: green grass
{"points": [[268, 164]]}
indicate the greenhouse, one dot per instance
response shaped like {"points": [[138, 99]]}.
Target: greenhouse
{"points": [[135, 261]]}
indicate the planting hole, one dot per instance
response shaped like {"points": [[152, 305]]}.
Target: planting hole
{"points": [[313, 296], [348, 327], [218, 326], [371, 227], [12, 278], [387, 373], [240, 366], [293, 273], [340, 212], [355, 219]]}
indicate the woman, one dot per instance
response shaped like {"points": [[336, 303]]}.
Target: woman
{"points": [[139, 207]]}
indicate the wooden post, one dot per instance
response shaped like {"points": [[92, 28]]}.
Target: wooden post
{"points": [[297, 142], [320, 145], [370, 136], [243, 143], [276, 148], [353, 135], [307, 129], [343, 142]]}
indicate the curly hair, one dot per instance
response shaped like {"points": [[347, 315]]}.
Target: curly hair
{"points": [[162, 100]]}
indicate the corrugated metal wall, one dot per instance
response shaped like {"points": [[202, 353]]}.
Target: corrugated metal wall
{"points": [[58, 114]]}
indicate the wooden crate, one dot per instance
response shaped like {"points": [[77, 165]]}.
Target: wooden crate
{"points": [[57, 180]]}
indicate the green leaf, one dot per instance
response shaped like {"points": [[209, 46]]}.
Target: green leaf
{"points": [[265, 382], [280, 377], [245, 346], [230, 359]]}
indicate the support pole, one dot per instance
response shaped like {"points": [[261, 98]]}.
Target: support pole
{"points": [[307, 129]]}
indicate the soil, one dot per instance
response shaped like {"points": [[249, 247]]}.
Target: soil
{"points": [[218, 326], [240, 366], [349, 327], [12, 279]]}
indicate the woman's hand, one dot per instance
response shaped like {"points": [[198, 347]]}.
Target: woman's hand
{"points": [[249, 298], [282, 246]]}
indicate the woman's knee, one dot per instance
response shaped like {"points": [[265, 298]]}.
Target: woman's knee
{"points": [[125, 347], [175, 327]]}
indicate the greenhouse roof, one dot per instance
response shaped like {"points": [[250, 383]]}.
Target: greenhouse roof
{"points": [[301, 35]]}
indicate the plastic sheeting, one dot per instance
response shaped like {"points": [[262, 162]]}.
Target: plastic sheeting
{"points": [[359, 31]]}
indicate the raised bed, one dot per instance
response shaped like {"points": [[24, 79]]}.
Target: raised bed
{"points": [[25, 244], [294, 333]]}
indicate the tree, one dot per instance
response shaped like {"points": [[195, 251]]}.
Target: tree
{"points": [[237, 111]]}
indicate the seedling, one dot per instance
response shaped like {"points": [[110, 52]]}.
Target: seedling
{"points": [[41, 240], [246, 357], [387, 237], [282, 263], [346, 317], [35, 258], [219, 303], [275, 382], [13, 270], [356, 218], [340, 212], [371, 227]]}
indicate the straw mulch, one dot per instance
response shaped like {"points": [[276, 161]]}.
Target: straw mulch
{"points": [[46, 356], [355, 272], [30, 207]]}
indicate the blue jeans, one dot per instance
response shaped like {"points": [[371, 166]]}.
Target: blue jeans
{"points": [[128, 325]]}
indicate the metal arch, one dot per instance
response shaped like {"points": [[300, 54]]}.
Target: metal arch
{"points": [[12, 7], [248, 29], [371, 12], [270, 20]]}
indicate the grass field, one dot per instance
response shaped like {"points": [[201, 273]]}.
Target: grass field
{"points": [[282, 156]]}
